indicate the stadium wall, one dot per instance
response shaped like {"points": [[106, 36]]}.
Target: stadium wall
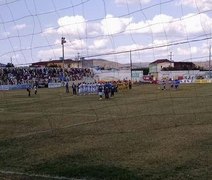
{"points": [[13, 87], [112, 75], [186, 75]]}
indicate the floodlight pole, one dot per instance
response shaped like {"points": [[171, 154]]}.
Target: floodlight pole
{"points": [[171, 55], [78, 59], [131, 65], [209, 61], [63, 41]]}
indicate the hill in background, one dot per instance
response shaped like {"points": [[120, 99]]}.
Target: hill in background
{"points": [[111, 64], [204, 64]]}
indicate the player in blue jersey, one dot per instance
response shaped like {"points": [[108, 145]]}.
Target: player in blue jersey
{"points": [[100, 91]]}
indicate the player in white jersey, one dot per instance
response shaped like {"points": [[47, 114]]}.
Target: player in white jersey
{"points": [[80, 88], [93, 88], [88, 88], [96, 88], [84, 88]]}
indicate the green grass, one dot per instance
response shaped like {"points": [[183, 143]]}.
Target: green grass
{"points": [[144, 133]]}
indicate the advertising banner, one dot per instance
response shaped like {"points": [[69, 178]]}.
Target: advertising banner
{"points": [[54, 85], [13, 87]]}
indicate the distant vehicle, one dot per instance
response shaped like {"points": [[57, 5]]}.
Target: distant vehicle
{"points": [[147, 79]]}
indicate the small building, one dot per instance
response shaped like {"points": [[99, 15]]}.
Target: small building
{"points": [[2, 65], [87, 63], [157, 66], [67, 63], [165, 69], [184, 66]]}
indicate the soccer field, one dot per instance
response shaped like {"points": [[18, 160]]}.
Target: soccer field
{"points": [[143, 133]]}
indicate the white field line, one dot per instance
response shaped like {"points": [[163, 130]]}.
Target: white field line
{"points": [[99, 120], [53, 113], [64, 127], [36, 175]]}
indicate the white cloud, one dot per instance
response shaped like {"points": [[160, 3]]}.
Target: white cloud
{"points": [[93, 29], [79, 29], [78, 44], [3, 2], [48, 54], [186, 52], [205, 48], [111, 25], [195, 24], [71, 48], [100, 43], [49, 31], [202, 5], [132, 1], [188, 24], [158, 24], [73, 44], [16, 56], [157, 43], [20, 26], [129, 47], [57, 42], [5, 34], [72, 25]]}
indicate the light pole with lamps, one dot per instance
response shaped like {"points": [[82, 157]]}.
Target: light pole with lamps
{"points": [[63, 41]]}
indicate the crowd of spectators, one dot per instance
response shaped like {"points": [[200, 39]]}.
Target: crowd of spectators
{"points": [[22, 75]]}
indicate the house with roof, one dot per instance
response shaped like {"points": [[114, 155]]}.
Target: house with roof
{"points": [[157, 66], [184, 66], [166, 69]]}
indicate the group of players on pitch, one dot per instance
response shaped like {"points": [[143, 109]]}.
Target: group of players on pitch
{"points": [[103, 89], [106, 89], [174, 84]]}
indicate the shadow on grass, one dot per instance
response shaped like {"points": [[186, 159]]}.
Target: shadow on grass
{"points": [[94, 164], [80, 166]]}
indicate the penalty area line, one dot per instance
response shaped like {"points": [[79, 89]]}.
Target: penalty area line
{"points": [[37, 175], [64, 127]]}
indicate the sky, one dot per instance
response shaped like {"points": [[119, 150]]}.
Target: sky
{"points": [[31, 30]]}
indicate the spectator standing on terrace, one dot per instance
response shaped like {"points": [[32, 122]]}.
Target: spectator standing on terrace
{"points": [[106, 90], [29, 91], [163, 85], [112, 90], [84, 88], [35, 90], [170, 83], [36, 87], [74, 89], [130, 85], [80, 88], [100, 91], [67, 87]]}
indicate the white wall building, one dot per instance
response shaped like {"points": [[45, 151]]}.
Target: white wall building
{"points": [[156, 67], [137, 75], [112, 75], [187, 75]]}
